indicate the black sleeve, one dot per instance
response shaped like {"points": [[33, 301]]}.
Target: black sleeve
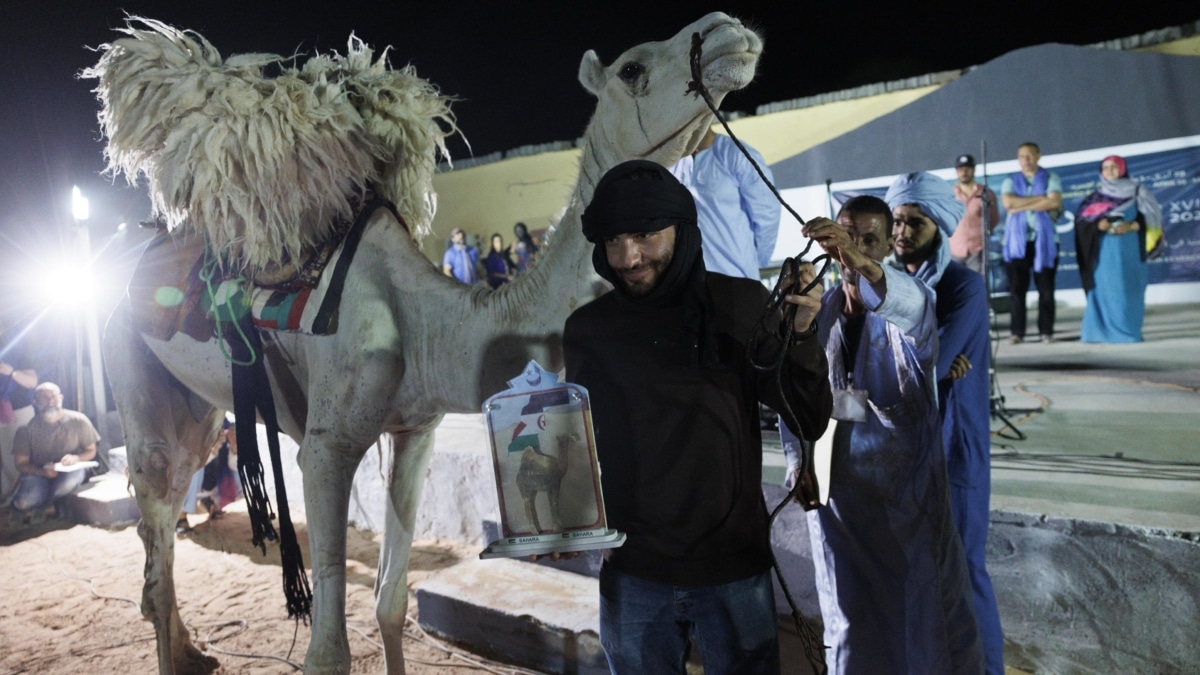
{"points": [[804, 377]]}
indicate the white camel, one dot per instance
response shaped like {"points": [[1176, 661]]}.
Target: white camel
{"points": [[412, 344]]}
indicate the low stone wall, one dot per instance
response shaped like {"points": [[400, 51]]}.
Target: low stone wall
{"points": [[1075, 596], [1081, 596]]}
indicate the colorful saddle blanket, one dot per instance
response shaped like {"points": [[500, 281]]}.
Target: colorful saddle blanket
{"points": [[174, 289]]}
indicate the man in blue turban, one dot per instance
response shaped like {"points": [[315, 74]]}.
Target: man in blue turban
{"points": [[925, 214], [674, 401]]}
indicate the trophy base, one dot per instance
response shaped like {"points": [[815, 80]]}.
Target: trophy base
{"points": [[563, 542]]}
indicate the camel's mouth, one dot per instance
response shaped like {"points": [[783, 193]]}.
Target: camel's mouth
{"points": [[730, 56]]}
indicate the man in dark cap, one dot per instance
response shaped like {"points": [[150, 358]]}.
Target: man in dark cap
{"points": [[967, 243], [674, 399]]}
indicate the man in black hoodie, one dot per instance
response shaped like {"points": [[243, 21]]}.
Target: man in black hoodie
{"points": [[674, 398]]}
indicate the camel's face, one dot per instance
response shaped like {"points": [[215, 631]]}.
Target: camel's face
{"points": [[645, 107]]}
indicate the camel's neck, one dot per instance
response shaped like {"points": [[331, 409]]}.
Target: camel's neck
{"points": [[563, 278], [498, 332]]}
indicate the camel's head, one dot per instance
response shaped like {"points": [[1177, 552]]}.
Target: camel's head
{"points": [[646, 109]]}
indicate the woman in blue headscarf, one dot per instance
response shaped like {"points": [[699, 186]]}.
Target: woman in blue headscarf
{"points": [[1110, 243]]}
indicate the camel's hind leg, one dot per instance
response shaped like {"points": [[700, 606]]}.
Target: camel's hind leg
{"points": [[166, 445], [413, 449], [552, 493]]}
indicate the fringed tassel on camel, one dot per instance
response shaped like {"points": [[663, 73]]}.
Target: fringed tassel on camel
{"points": [[252, 399], [261, 165]]}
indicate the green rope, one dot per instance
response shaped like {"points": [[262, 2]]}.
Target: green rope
{"points": [[208, 270]]}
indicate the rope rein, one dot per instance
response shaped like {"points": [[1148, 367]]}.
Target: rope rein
{"points": [[787, 284]]}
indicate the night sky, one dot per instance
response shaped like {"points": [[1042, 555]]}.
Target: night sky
{"points": [[513, 65]]}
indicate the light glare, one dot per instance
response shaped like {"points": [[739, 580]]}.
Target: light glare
{"points": [[79, 204], [68, 285]]}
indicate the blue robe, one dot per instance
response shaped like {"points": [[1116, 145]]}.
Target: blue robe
{"points": [[962, 316], [890, 571], [1116, 305]]}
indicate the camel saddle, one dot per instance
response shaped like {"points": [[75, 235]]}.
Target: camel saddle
{"points": [[180, 286]]}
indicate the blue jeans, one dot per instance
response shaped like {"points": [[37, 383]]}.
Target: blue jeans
{"points": [[644, 625], [35, 493]]}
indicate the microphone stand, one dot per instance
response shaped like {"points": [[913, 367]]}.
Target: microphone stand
{"points": [[996, 399]]}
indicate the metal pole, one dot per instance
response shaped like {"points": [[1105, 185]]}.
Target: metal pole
{"points": [[99, 400], [1008, 429], [79, 209]]}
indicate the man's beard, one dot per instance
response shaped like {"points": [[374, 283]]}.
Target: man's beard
{"points": [[49, 412], [643, 286], [918, 255]]}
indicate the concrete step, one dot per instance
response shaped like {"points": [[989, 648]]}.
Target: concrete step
{"points": [[104, 501], [540, 618]]}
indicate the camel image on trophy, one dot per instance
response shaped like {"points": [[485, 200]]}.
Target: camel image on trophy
{"points": [[540, 432], [540, 472]]}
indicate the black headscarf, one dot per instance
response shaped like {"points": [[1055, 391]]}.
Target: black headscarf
{"points": [[642, 196]]}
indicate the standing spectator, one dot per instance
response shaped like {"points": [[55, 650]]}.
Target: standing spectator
{"points": [[967, 244], [889, 566], [1110, 243], [55, 436], [925, 209], [674, 401], [1033, 199], [738, 214], [17, 380], [524, 247], [500, 266], [461, 261]]}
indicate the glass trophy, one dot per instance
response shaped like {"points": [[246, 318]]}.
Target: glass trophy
{"points": [[547, 474]]}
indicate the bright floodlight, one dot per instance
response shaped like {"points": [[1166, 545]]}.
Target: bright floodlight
{"points": [[79, 204], [67, 285]]}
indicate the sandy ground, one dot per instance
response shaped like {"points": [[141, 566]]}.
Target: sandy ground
{"points": [[69, 601]]}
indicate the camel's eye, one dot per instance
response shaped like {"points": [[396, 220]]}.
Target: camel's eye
{"points": [[631, 71]]}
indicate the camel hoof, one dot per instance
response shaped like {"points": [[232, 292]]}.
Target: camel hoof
{"points": [[195, 662]]}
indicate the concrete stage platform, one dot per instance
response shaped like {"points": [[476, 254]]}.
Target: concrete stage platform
{"points": [[1095, 540]]}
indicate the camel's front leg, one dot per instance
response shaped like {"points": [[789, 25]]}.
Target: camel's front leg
{"points": [[531, 515], [411, 459], [328, 467]]}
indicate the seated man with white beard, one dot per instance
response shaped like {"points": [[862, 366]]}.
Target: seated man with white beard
{"points": [[54, 436]]}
